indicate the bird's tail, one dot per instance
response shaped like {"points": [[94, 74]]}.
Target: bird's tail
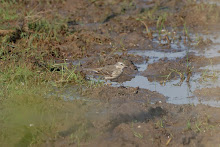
{"points": [[96, 70]]}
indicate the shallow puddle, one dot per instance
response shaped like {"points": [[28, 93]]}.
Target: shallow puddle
{"points": [[211, 51], [212, 2], [175, 92]]}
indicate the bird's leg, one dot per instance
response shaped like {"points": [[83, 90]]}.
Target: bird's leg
{"points": [[121, 84], [108, 83]]}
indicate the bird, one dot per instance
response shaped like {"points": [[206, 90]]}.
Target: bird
{"points": [[110, 72]]}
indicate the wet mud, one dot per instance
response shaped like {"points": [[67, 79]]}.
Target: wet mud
{"points": [[169, 94]]}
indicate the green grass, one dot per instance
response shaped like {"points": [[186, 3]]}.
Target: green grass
{"points": [[48, 29], [207, 74], [6, 11], [188, 126], [202, 124], [138, 135], [160, 23], [32, 112], [30, 115]]}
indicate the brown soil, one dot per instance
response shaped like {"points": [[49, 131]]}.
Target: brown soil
{"points": [[208, 93], [177, 67], [124, 118]]}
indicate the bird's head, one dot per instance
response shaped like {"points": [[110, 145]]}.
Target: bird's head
{"points": [[120, 65]]}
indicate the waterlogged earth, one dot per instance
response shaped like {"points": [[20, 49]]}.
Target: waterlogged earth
{"points": [[168, 96], [173, 90], [146, 107]]}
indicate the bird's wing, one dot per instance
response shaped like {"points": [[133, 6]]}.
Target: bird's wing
{"points": [[115, 74], [101, 71], [107, 70]]}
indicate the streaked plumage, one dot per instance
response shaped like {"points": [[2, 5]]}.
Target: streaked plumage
{"points": [[110, 72]]}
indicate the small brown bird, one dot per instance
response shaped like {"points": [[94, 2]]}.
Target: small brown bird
{"points": [[110, 72]]}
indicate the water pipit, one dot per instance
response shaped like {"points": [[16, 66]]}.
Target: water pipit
{"points": [[110, 72]]}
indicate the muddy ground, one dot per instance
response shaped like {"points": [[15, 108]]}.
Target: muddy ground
{"points": [[126, 116], [100, 33], [138, 117]]}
